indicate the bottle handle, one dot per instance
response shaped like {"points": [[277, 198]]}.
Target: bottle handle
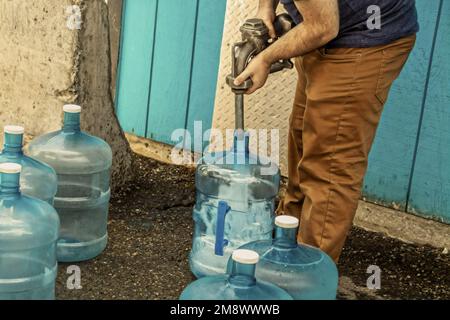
{"points": [[221, 242]]}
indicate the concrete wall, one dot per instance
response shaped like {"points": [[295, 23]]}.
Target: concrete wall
{"points": [[115, 24], [45, 64]]}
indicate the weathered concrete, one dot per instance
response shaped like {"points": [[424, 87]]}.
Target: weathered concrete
{"points": [[45, 64], [402, 226]]}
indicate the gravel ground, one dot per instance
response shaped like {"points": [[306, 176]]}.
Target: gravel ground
{"points": [[150, 231]]}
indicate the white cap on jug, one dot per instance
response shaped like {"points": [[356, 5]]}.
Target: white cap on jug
{"points": [[245, 256], [14, 129], [72, 108], [286, 222], [10, 168]]}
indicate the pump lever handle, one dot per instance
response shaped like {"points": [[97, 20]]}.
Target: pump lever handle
{"points": [[283, 24], [281, 65]]}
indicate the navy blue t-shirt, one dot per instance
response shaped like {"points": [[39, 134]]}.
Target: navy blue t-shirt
{"points": [[357, 28]]}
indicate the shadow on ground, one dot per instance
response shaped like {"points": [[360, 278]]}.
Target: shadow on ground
{"points": [[150, 232]]}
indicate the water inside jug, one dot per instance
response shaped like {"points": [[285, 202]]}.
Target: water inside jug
{"points": [[37, 179], [28, 235], [234, 205], [239, 284], [305, 272], [83, 164]]}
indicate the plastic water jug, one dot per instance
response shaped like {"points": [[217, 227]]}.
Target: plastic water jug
{"points": [[239, 284], [37, 179], [28, 235], [305, 272], [234, 205], [83, 164]]}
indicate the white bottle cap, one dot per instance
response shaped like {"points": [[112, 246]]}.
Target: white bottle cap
{"points": [[245, 256], [10, 168], [14, 129], [72, 108], [286, 222]]}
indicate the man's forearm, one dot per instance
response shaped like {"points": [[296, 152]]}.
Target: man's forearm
{"points": [[320, 25]]}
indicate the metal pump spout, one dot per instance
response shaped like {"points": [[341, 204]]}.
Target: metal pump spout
{"points": [[255, 38]]}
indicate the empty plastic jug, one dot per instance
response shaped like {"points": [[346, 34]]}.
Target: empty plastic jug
{"points": [[305, 272], [240, 284], [37, 179], [82, 163], [235, 204], [28, 235]]}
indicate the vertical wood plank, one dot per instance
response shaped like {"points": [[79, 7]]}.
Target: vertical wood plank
{"points": [[137, 38], [390, 163], [210, 23], [430, 189], [169, 90]]}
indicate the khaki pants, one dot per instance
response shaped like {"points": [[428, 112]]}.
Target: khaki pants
{"points": [[339, 99]]}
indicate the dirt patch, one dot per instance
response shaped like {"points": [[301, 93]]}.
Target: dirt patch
{"points": [[407, 271], [151, 229]]}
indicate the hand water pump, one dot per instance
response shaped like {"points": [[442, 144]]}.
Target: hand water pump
{"points": [[255, 39]]}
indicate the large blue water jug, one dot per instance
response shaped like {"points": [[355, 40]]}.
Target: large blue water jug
{"points": [[305, 272], [83, 164], [28, 235], [37, 179], [239, 284], [234, 205]]}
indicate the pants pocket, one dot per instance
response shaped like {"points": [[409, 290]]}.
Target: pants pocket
{"points": [[340, 54], [394, 59], [383, 83]]}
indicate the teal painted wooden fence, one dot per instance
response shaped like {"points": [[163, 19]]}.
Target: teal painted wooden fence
{"points": [[410, 161], [170, 51], [391, 160], [430, 181], [167, 80]]}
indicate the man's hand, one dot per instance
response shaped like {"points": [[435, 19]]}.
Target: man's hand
{"points": [[258, 70], [320, 26], [266, 13]]}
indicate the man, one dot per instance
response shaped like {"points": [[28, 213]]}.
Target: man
{"points": [[349, 52]]}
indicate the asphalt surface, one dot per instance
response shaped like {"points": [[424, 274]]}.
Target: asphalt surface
{"points": [[150, 232]]}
